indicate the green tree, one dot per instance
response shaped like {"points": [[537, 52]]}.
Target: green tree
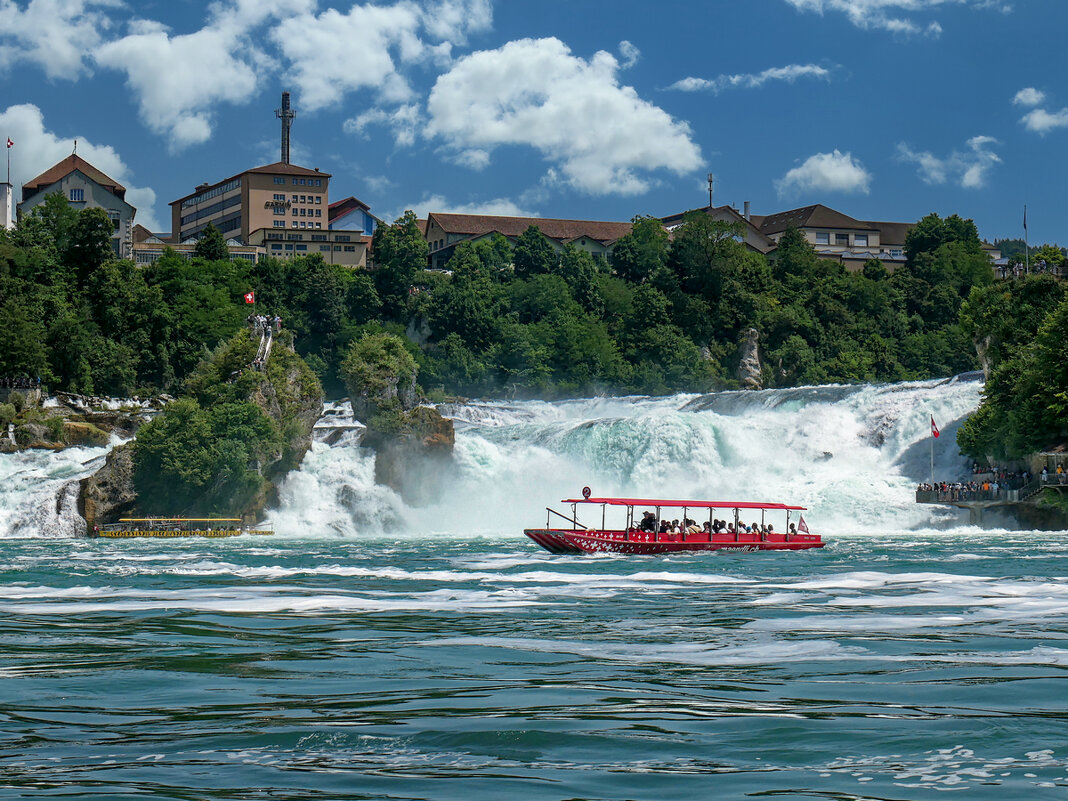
{"points": [[639, 253], [211, 246], [90, 242], [533, 254], [400, 251]]}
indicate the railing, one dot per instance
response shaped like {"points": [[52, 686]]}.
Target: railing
{"points": [[972, 496]]}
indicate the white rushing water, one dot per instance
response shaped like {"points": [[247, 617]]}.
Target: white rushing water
{"points": [[851, 454]]}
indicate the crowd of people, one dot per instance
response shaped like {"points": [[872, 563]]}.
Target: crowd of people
{"points": [[19, 382], [987, 489], [1017, 270], [687, 526], [1057, 476]]}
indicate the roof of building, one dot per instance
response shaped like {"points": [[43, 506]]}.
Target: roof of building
{"points": [[278, 168], [815, 216], [563, 230], [339, 208], [62, 169], [142, 234], [892, 233]]}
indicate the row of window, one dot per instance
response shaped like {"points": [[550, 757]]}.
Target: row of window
{"points": [[824, 238], [234, 184], [301, 224], [300, 237], [207, 211], [278, 179], [322, 248]]}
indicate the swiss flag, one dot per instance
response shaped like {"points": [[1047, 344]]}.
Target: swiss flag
{"points": [[934, 428], [802, 526], [9, 142], [250, 297]]}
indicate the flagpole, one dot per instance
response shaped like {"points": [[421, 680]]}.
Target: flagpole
{"points": [[1027, 246], [932, 459]]}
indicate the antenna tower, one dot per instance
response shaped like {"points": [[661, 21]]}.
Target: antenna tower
{"points": [[286, 115]]}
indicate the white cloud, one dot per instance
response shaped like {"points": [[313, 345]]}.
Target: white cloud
{"points": [[403, 120], [886, 14], [334, 53], [499, 207], [179, 79], [1029, 97], [630, 54], [37, 148], [1042, 122], [789, 74], [969, 168], [574, 112], [826, 172], [56, 35]]}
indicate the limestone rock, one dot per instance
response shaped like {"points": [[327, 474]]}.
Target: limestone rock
{"points": [[109, 493], [749, 367]]}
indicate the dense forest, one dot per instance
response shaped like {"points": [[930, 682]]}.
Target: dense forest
{"points": [[667, 313]]}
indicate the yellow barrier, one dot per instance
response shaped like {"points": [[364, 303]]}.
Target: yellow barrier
{"points": [[192, 533]]}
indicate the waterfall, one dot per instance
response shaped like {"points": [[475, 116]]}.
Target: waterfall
{"points": [[851, 454]]}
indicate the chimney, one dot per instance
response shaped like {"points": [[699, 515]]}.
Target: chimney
{"points": [[286, 115], [746, 212]]}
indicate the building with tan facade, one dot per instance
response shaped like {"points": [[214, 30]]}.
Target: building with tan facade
{"points": [[275, 196]]}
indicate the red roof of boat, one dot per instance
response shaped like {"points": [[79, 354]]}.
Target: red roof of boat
{"points": [[690, 504]]}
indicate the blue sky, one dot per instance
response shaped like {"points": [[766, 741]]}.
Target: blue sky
{"points": [[595, 109]]}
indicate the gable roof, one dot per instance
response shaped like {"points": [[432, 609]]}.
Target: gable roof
{"points": [[57, 172], [281, 168], [563, 230], [815, 216]]}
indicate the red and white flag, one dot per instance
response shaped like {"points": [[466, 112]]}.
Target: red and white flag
{"points": [[801, 526], [934, 428], [9, 142], [250, 297]]}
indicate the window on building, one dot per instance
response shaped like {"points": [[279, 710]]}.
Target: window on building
{"points": [[276, 246], [897, 253], [324, 247], [77, 195], [303, 198], [294, 182], [280, 211], [350, 248], [861, 240], [318, 212], [318, 225], [337, 248], [289, 247], [295, 237], [302, 182], [302, 247], [823, 238], [303, 212], [303, 224], [318, 198], [318, 238], [343, 238], [841, 239], [294, 225], [279, 179], [294, 211], [279, 223], [279, 197]]}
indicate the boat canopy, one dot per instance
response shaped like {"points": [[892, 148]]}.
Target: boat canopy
{"points": [[690, 504]]}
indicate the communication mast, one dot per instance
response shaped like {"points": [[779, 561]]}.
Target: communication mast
{"points": [[286, 115]]}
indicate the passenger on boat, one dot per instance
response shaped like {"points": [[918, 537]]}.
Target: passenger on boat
{"points": [[707, 527], [730, 528], [771, 529], [648, 522], [692, 527], [793, 529]]}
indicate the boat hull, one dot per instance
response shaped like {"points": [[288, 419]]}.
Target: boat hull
{"points": [[557, 540]]}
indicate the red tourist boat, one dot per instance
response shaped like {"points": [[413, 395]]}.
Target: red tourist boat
{"points": [[645, 535]]}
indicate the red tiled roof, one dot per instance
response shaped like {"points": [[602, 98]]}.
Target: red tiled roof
{"points": [[58, 172], [563, 230]]}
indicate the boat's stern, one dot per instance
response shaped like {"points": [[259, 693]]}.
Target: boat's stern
{"points": [[554, 541]]}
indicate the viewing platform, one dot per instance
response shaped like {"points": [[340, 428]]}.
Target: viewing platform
{"points": [[978, 501]]}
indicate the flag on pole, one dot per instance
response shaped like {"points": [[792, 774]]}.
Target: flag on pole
{"points": [[9, 142], [801, 526], [934, 428], [250, 297]]}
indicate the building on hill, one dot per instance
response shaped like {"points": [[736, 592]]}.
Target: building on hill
{"points": [[280, 210], [84, 187], [754, 239], [148, 247], [275, 195], [352, 214], [443, 232]]}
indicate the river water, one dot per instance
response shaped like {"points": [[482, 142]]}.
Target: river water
{"points": [[374, 649]]}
